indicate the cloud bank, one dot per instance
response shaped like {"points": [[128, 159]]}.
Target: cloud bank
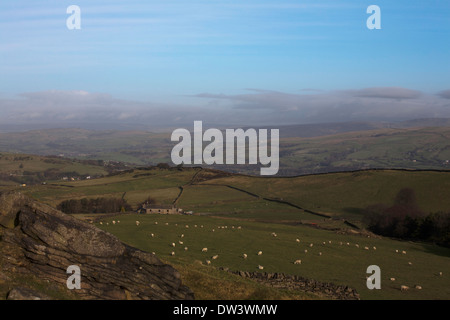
{"points": [[255, 107]]}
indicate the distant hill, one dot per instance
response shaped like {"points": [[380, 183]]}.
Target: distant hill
{"points": [[304, 149]]}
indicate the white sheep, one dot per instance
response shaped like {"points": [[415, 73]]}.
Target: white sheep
{"points": [[418, 287], [392, 279], [297, 240], [244, 256], [156, 222], [173, 244], [185, 248], [114, 222], [172, 253], [306, 251], [298, 261], [310, 245], [374, 248], [208, 262], [205, 250], [260, 267], [215, 257], [366, 248], [152, 235], [182, 236], [274, 234], [320, 253], [101, 222], [403, 252], [180, 242], [404, 288], [259, 253], [137, 223]]}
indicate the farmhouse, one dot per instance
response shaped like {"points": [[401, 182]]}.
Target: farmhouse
{"points": [[161, 209]]}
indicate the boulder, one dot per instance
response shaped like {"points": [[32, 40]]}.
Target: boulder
{"points": [[51, 241]]}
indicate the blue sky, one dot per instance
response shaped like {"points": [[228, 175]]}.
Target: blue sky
{"points": [[220, 54]]}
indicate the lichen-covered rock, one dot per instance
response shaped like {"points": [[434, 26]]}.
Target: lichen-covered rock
{"points": [[21, 293], [51, 241]]}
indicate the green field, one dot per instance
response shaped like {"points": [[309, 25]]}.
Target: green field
{"points": [[339, 263], [223, 203]]}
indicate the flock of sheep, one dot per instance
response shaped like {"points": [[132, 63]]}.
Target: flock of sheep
{"points": [[259, 253]]}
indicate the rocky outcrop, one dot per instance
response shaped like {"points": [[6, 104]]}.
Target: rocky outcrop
{"points": [[295, 282], [46, 242]]}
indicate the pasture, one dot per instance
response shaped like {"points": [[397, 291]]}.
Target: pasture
{"points": [[333, 257]]}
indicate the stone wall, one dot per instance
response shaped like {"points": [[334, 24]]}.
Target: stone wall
{"points": [[295, 282]]}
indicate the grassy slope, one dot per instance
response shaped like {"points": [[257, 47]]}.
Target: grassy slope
{"points": [[344, 264]]}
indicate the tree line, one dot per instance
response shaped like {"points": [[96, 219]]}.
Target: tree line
{"points": [[98, 205], [405, 220]]}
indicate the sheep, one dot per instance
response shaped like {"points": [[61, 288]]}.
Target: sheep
{"points": [[156, 222], [366, 248], [274, 234], [244, 256], [357, 245], [310, 245], [297, 240], [374, 248], [348, 243], [205, 250], [404, 288], [107, 223], [101, 222], [215, 257], [298, 262], [440, 273], [182, 236], [403, 252], [396, 250], [392, 279], [172, 253], [320, 253], [113, 222], [418, 287], [118, 221], [187, 226], [306, 251], [173, 244], [410, 263], [329, 241], [259, 253], [239, 228], [185, 248], [260, 267], [180, 242], [152, 235], [208, 262], [324, 243]]}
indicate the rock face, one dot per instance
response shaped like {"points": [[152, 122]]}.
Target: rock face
{"points": [[50, 241]]}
